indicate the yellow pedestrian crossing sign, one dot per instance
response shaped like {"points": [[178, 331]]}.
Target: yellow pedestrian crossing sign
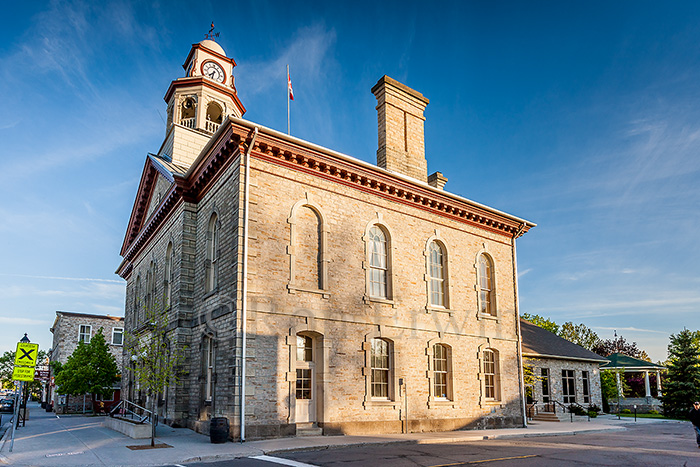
{"points": [[26, 354], [23, 373]]}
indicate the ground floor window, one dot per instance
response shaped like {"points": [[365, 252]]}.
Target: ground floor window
{"points": [[586, 387], [568, 383], [544, 375]]}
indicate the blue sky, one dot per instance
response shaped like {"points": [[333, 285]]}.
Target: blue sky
{"points": [[583, 117]]}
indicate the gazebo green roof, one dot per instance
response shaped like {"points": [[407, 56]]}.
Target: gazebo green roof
{"points": [[621, 361]]}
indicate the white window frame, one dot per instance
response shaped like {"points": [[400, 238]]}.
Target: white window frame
{"points": [[491, 375], [586, 383], [445, 372], [385, 370], [212, 255], [120, 331], [81, 333], [209, 369]]}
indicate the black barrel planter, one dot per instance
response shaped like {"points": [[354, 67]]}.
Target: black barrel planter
{"points": [[218, 430]]}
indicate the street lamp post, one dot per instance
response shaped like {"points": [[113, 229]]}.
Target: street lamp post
{"points": [[18, 399]]}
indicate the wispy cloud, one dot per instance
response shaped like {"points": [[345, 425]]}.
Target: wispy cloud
{"points": [[26, 321], [523, 272], [81, 279], [631, 329]]}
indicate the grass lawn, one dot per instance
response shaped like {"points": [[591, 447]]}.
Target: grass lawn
{"points": [[644, 415]]}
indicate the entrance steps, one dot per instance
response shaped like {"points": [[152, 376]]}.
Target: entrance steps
{"points": [[550, 417], [309, 429]]}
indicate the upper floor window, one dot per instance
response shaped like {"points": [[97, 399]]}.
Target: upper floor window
{"points": [[168, 276], [436, 273], [151, 287], [378, 263], [84, 333], [486, 289], [212, 261], [308, 249], [117, 336], [137, 301], [381, 369]]}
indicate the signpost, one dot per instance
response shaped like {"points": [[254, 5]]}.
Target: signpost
{"points": [[25, 362]]}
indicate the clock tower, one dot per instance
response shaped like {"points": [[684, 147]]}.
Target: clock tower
{"points": [[199, 101]]}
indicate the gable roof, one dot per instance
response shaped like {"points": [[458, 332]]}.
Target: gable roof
{"points": [[618, 360], [538, 342]]}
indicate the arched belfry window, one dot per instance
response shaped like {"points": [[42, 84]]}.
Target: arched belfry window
{"points": [[211, 266], [307, 249], [188, 112], [378, 262], [215, 116], [486, 285]]}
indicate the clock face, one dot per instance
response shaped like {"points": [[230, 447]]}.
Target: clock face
{"points": [[214, 71]]}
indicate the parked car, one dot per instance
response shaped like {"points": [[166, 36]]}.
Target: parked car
{"points": [[7, 405]]}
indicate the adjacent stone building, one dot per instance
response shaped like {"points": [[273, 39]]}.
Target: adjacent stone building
{"points": [[68, 330], [344, 297], [563, 373]]}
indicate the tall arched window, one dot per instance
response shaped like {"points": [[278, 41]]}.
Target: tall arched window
{"points": [[212, 262], [378, 263], [380, 362], [137, 301], [486, 288], [441, 372], [168, 276], [149, 289], [491, 374], [436, 272], [308, 249]]}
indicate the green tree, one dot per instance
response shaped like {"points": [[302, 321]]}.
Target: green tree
{"points": [[90, 369], [544, 323], [682, 383], [579, 334], [619, 345], [156, 364]]}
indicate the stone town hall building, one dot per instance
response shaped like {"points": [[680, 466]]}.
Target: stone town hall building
{"points": [[365, 298]]}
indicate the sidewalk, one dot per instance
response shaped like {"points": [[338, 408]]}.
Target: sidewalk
{"points": [[48, 439]]}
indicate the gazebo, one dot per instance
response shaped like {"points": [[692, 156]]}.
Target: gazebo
{"points": [[621, 363]]}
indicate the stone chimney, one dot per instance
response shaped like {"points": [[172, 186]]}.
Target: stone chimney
{"points": [[400, 118]]}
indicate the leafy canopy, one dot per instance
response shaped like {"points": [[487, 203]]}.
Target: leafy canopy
{"points": [[682, 383], [91, 369]]}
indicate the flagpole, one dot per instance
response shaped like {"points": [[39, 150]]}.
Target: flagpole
{"points": [[288, 128]]}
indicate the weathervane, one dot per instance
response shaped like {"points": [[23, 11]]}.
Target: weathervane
{"points": [[210, 35]]}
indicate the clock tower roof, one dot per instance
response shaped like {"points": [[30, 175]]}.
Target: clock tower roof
{"points": [[213, 45]]}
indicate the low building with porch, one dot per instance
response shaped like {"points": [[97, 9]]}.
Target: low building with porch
{"points": [[558, 373], [631, 369]]}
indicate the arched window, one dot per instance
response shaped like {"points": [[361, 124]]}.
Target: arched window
{"points": [[168, 276], [150, 288], [214, 117], [378, 263], [187, 113], [212, 262], [436, 273], [442, 374], [137, 301], [491, 374], [308, 249], [381, 366], [487, 304]]}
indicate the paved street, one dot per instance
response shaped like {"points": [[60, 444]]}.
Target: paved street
{"points": [[50, 440], [657, 444]]}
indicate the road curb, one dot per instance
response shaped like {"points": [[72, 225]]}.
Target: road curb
{"points": [[6, 434]]}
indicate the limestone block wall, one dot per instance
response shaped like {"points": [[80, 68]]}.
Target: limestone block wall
{"points": [[555, 367]]}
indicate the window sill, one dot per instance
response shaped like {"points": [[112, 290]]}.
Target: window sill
{"points": [[211, 293], [439, 309], [488, 317], [379, 403], [324, 293], [368, 299], [435, 403]]}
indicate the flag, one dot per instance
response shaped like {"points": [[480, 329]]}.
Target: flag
{"points": [[289, 86]]}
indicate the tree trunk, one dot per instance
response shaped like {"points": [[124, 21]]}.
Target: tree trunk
{"points": [[154, 407]]}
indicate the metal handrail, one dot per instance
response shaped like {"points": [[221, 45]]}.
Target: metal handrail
{"points": [[530, 406], [127, 409], [582, 408]]}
